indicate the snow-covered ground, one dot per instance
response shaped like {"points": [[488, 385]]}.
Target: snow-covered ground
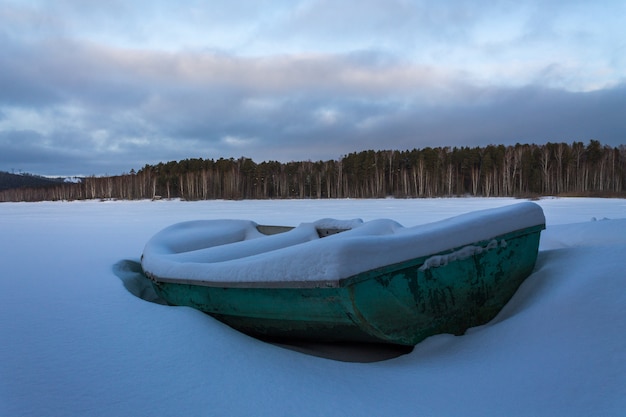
{"points": [[75, 340]]}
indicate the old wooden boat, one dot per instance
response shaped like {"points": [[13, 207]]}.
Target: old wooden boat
{"points": [[334, 280]]}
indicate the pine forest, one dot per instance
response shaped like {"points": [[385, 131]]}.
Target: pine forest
{"points": [[521, 170]]}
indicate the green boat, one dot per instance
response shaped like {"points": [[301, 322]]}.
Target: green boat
{"points": [[348, 281]]}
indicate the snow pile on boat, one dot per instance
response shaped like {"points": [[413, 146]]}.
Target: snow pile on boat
{"points": [[214, 251]]}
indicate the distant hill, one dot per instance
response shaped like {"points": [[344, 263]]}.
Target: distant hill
{"points": [[9, 181]]}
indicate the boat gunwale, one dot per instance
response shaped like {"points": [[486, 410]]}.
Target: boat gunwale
{"points": [[341, 282]]}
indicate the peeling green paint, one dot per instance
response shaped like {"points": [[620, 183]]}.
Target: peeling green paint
{"points": [[401, 304]]}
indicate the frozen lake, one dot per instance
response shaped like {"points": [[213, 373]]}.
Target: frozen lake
{"points": [[76, 342]]}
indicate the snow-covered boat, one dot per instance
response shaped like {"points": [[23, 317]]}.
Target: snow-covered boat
{"points": [[335, 280]]}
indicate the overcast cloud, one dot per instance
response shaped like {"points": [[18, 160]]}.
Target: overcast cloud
{"points": [[92, 87]]}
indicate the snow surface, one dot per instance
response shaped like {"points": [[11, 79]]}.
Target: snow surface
{"points": [[75, 339], [235, 251]]}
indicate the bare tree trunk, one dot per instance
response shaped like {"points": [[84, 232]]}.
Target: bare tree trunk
{"points": [[545, 165]]}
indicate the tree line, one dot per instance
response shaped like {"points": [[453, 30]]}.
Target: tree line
{"points": [[521, 170]]}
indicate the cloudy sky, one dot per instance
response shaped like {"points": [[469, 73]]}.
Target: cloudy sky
{"points": [[101, 87]]}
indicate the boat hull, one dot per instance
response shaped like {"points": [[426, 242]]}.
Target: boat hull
{"points": [[402, 304]]}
